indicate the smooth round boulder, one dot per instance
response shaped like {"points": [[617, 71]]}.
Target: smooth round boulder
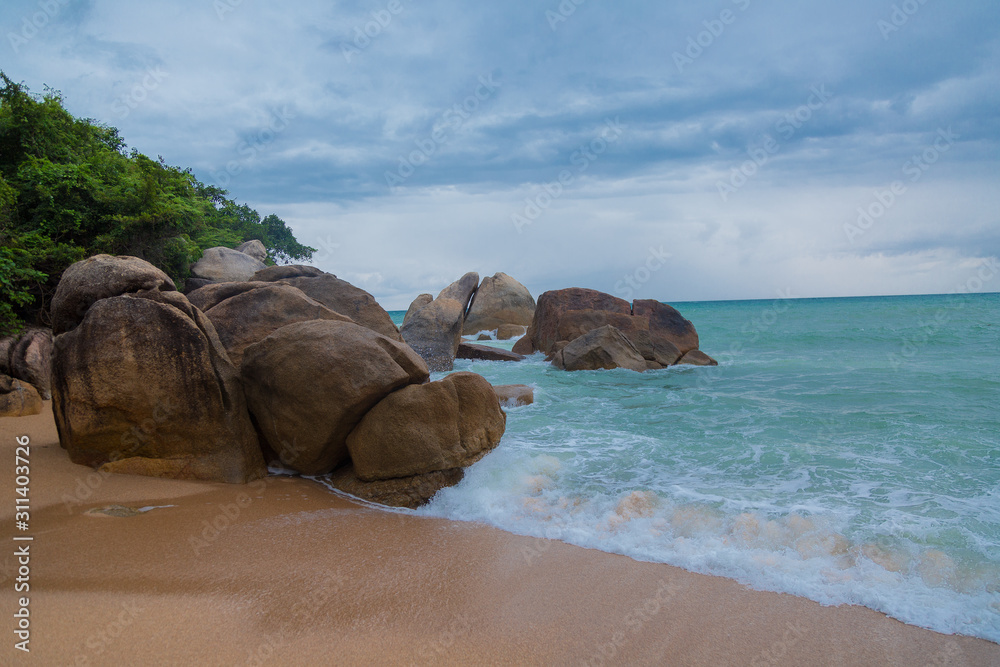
{"points": [[18, 398], [514, 395], [461, 290], [435, 332], [309, 384], [666, 323], [100, 277], [499, 301], [208, 296], [418, 303], [346, 299], [420, 429], [30, 360], [143, 386], [254, 248], [544, 329], [284, 271], [509, 331], [251, 316], [225, 265]]}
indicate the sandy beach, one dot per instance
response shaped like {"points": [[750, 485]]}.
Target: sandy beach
{"points": [[282, 571]]}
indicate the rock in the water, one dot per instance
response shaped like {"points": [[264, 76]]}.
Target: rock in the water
{"points": [[486, 353], [697, 358], [309, 384], [461, 290], [419, 429], [143, 386], [17, 398], [606, 348], [252, 316], [100, 277], [409, 492], [253, 248], [500, 300], [544, 329], [224, 265], [484, 336], [30, 360], [274, 273], [514, 395], [343, 297], [435, 332], [508, 331], [666, 323], [416, 305], [524, 346]]}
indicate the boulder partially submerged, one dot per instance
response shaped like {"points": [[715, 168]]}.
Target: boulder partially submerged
{"points": [[499, 301]]}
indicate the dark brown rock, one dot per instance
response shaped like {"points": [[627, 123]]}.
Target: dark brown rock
{"points": [[285, 271], [524, 346], [144, 386], [666, 323], [30, 360], [499, 300], [18, 398], [486, 353], [697, 358], [309, 384], [508, 331], [603, 348], [544, 329], [100, 277], [343, 297], [450, 423], [253, 315], [514, 395], [409, 492]]}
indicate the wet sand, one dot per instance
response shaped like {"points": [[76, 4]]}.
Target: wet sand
{"points": [[282, 571]]}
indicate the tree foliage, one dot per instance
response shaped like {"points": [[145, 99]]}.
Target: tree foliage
{"points": [[69, 188]]}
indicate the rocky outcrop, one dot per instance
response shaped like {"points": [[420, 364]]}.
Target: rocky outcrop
{"points": [[427, 428], [100, 277], [435, 330], [603, 348], [500, 300], [274, 273], [309, 384], [343, 297], [486, 353], [524, 346], [224, 265], [251, 316], [657, 331], [514, 395], [17, 398], [253, 248], [207, 297], [508, 331], [143, 386], [418, 303], [28, 357]]}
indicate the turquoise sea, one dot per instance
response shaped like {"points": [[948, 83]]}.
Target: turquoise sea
{"points": [[846, 450]]}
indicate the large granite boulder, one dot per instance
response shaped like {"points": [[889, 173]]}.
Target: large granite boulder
{"points": [[420, 429], [346, 299], [100, 277], [143, 386], [29, 358], [524, 346], [486, 353], [514, 395], [207, 297], [253, 315], [18, 398], [508, 331], [418, 303], [606, 348], [667, 324], [544, 329], [253, 248], [434, 331], [224, 265], [500, 300], [309, 384], [697, 358], [275, 273]]}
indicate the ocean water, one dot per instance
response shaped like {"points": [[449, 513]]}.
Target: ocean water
{"points": [[844, 450]]}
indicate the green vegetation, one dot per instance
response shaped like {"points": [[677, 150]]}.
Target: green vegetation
{"points": [[69, 189]]}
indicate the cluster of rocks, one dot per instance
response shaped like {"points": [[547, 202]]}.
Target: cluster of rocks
{"points": [[434, 327], [293, 366], [583, 329], [25, 363]]}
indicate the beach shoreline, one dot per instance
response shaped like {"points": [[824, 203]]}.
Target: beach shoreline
{"points": [[281, 571]]}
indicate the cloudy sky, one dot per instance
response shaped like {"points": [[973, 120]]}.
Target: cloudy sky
{"points": [[678, 151]]}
